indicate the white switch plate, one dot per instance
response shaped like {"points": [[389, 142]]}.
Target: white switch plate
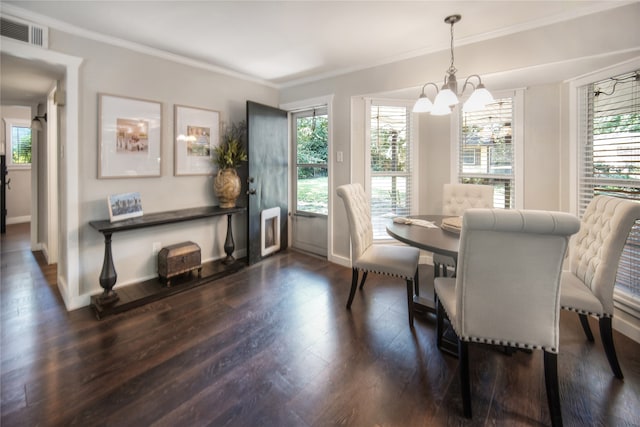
{"points": [[340, 157]]}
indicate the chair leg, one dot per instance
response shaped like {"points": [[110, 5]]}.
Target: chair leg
{"points": [[551, 384], [364, 277], [439, 322], [354, 285], [606, 333], [410, 301], [584, 321], [465, 383]]}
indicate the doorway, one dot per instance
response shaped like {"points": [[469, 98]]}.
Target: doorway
{"points": [[310, 179]]}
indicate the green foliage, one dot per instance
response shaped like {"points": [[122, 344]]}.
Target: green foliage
{"points": [[312, 137], [313, 195], [21, 152], [231, 152], [620, 123]]}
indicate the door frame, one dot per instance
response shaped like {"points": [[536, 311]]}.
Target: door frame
{"points": [[68, 279], [305, 104]]}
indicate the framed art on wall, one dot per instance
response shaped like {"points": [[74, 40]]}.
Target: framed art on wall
{"points": [[130, 135], [196, 134]]}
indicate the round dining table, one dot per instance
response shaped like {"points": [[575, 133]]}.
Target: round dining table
{"points": [[432, 239]]}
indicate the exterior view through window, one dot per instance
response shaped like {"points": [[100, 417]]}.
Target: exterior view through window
{"points": [[390, 165], [311, 145], [20, 146], [487, 150], [609, 146]]}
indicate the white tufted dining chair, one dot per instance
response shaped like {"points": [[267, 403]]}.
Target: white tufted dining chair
{"points": [[594, 257], [457, 198], [507, 288], [392, 260]]}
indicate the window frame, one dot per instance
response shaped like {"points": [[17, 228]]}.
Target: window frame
{"points": [[413, 147], [10, 123], [517, 141], [622, 300]]}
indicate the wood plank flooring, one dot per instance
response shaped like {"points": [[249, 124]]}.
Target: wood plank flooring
{"points": [[273, 345]]}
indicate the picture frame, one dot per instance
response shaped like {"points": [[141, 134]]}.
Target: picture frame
{"points": [[124, 206], [196, 134], [130, 136]]}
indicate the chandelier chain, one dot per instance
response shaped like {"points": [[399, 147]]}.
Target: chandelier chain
{"points": [[452, 69]]}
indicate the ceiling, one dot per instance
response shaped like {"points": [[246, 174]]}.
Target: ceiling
{"points": [[279, 43]]}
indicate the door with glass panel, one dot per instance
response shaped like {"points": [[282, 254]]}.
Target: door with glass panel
{"points": [[310, 180]]}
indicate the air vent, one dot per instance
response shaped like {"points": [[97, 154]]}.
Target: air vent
{"points": [[24, 31]]}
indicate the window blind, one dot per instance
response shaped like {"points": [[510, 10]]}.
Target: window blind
{"points": [[390, 167], [486, 154], [20, 145], [609, 146]]}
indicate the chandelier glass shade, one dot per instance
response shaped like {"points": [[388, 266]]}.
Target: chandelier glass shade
{"points": [[447, 95]]}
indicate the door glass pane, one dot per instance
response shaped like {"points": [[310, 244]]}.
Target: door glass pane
{"points": [[312, 186]]}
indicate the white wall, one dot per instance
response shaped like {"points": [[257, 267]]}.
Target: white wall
{"points": [[539, 60], [117, 71]]}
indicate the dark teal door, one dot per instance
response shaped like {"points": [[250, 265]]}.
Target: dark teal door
{"points": [[267, 144]]}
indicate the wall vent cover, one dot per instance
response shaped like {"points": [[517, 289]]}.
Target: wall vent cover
{"points": [[24, 31]]}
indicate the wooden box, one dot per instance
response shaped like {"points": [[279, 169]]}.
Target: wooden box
{"points": [[178, 259]]}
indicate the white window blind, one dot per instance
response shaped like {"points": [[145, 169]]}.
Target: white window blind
{"points": [[390, 164], [486, 154], [20, 138], [609, 150]]}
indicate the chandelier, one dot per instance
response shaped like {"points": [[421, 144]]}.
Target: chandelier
{"points": [[447, 96]]}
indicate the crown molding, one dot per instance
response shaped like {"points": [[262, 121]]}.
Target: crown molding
{"points": [[114, 41]]}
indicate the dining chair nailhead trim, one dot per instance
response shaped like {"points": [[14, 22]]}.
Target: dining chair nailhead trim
{"points": [[384, 273], [499, 342], [590, 313], [508, 343]]}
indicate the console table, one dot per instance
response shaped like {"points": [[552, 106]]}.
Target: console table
{"points": [[109, 302]]}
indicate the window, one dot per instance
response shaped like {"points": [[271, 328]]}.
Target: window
{"points": [[471, 156], [609, 158], [486, 150], [19, 137], [390, 168], [311, 144]]}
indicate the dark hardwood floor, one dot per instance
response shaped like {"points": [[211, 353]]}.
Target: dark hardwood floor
{"points": [[273, 345]]}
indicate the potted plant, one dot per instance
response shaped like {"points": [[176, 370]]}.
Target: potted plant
{"points": [[228, 156]]}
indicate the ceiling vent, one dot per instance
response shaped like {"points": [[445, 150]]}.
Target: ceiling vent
{"points": [[24, 31]]}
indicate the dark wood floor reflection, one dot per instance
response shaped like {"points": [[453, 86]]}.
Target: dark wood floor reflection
{"points": [[274, 345]]}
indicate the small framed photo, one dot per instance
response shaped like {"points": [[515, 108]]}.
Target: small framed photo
{"points": [[196, 134], [130, 136], [124, 206]]}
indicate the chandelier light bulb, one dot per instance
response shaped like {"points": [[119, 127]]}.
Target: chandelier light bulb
{"points": [[447, 97]]}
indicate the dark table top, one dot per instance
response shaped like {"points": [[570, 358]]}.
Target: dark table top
{"points": [[434, 240], [161, 218]]}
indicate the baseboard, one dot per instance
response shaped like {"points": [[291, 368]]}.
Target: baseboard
{"points": [[626, 325], [340, 260], [18, 219], [626, 316]]}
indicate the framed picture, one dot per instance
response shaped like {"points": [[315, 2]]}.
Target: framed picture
{"points": [[196, 134], [124, 206], [130, 136]]}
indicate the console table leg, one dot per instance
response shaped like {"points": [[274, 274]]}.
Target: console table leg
{"points": [[108, 275], [229, 245]]}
